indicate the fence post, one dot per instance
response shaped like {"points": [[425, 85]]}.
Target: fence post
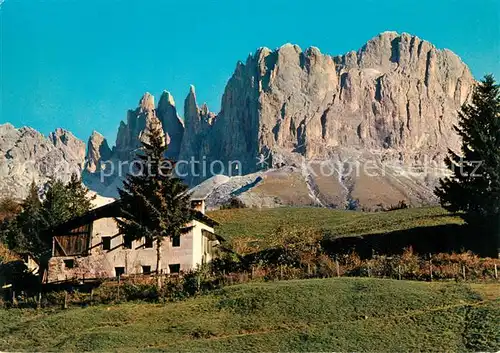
{"points": [[14, 299], [39, 302], [118, 289], [65, 301], [253, 272], [463, 272], [399, 272], [430, 268], [496, 272], [369, 271], [91, 296], [337, 267]]}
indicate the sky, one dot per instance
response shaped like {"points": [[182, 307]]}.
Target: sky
{"points": [[81, 64]]}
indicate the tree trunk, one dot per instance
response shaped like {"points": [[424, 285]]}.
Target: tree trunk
{"points": [[158, 263]]}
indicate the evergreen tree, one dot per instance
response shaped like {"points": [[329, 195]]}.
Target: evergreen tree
{"points": [[56, 204], [78, 200], [32, 200], [29, 221], [473, 189], [22, 232], [154, 202], [30, 230]]}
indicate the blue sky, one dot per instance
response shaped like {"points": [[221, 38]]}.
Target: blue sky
{"points": [[81, 64]]}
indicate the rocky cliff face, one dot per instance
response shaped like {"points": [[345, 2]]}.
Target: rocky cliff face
{"points": [[26, 155], [172, 124], [98, 151], [130, 133], [397, 96], [392, 103]]}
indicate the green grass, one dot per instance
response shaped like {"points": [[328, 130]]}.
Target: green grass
{"points": [[259, 223], [346, 314]]}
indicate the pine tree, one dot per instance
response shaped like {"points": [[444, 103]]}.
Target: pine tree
{"points": [[56, 204], [78, 200], [473, 189], [29, 221], [32, 200], [22, 233], [154, 202]]}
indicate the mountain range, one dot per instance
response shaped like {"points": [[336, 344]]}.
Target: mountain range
{"points": [[366, 129]]}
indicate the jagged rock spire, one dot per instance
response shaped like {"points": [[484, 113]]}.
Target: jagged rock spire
{"points": [[172, 124], [98, 151]]}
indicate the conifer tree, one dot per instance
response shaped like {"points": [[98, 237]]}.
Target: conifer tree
{"points": [[55, 206], [473, 189], [78, 200], [29, 220], [154, 202], [31, 229], [32, 200]]}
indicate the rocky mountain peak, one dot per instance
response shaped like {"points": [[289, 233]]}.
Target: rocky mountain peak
{"points": [[166, 100], [98, 151], [146, 103], [191, 107], [173, 125], [27, 155], [130, 134], [68, 143]]}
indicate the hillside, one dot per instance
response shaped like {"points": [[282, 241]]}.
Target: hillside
{"points": [[257, 223], [310, 315]]}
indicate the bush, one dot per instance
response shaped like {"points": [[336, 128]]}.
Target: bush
{"points": [[140, 291], [9, 208], [232, 203], [400, 206]]}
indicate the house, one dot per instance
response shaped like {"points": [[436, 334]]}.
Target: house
{"points": [[91, 246]]}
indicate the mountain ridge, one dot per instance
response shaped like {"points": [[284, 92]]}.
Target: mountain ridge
{"points": [[392, 101]]}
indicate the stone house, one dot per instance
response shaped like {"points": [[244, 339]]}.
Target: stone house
{"points": [[91, 246]]}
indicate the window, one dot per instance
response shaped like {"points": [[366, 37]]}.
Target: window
{"points": [[106, 243], [148, 243], [146, 269], [176, 241], [127, 243], [175, 268], [69, 263], [119, 271]]}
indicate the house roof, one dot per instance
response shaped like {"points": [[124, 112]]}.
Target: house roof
{"points": [[212, 236], [113, 210]]}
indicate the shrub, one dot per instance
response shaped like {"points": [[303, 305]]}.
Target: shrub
{"points": [[326, 267], [400, 206], [140, 291], [233, 202]]}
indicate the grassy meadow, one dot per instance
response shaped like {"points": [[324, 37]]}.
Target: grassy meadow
{"points": [[331, 314], [255, 223], [345, 314]]}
